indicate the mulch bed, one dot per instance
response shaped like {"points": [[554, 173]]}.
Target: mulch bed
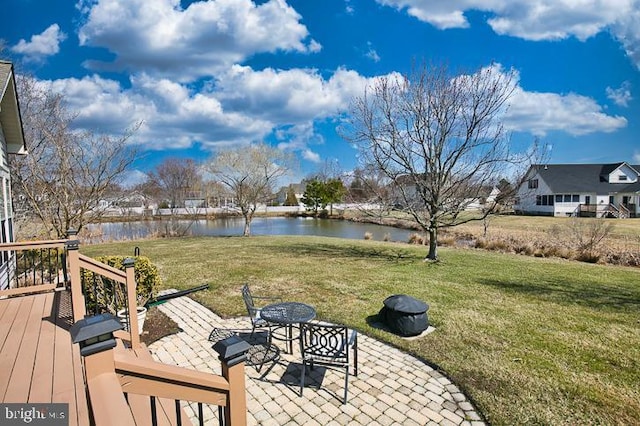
{"points": [[157, 325]]}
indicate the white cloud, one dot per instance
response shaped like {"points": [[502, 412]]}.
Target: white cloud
{"points": [[372, 54], [292, 96], [309, 155], [627, 30], [542, 112], [171, 115], [168, 41], [41, 45], [620, 96], [348, 7], [132, 178], [539, 113], [245, 106], [537, 19], [636, 157]]}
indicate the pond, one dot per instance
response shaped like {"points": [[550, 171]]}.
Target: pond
{"points": [[233, 226]]}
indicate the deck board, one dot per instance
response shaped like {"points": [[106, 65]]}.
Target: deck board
{"points": [[9, 352], [20, 381], [43, 367], [63, 370], [38, 362]]}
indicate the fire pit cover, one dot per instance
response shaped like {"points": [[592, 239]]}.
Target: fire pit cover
{"points": [[405, 315]]}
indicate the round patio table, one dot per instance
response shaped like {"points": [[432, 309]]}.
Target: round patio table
{"points": [[286, 315]]}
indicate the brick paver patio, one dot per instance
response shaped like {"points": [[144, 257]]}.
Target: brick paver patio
{"points": [[392, 387]]}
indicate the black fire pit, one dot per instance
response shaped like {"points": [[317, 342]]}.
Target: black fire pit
{"points": [[404, 315]]}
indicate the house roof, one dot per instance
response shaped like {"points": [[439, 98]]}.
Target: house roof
{"points": [[10, 118], [579, 178]]}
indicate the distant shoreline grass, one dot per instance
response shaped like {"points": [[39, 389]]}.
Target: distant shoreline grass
{"points": [[530, 340]]}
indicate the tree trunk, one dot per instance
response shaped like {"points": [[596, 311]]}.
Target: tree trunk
{"points": [[433, 244], [247, 226]]}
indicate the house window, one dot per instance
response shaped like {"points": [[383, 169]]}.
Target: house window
{"points": [[575, 198], [622, 177], [559, 198], [6, 234], [533, 183], [544, 200], [567, 198]]}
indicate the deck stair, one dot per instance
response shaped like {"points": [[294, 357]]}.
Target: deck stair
{"points": [[39, 363]]}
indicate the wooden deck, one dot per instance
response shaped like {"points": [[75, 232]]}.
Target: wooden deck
{"points": [[38, 362]]}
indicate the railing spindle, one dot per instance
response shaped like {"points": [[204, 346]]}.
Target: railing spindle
{"points": [[154, 415], [220, 415], [200, 414], [178, 413]]}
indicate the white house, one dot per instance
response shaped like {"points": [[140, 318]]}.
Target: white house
{"points": [[600, 190], [11, 142]]}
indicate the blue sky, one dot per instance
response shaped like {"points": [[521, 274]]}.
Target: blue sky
{"points": [[210, 74]]}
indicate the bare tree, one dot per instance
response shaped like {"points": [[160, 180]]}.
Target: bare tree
{"points": [[177, 180], [67, 173], [250, 174], [370, 189], [439, 140]]}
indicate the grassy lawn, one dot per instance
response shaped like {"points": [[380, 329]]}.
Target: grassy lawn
{"points": [[530, 340]]}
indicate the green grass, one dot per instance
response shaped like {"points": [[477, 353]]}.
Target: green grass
{"points": [[531, 341]]}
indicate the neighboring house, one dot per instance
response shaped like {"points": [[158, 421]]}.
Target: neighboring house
{"points": [[134, 203], [474, 198], [597, 190], [298, 190], [11, 142], [488, 199]]}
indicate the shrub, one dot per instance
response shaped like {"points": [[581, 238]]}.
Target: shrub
{"points": [[585, 236], [416, 239], [368, 235], [448, 241], [524, 248], [110, 295], [497, 245], [386, 237], [588, 256], [480, 243]]}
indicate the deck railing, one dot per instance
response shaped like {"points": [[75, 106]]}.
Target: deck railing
{"points": [[115, 380], [101, 287], [32, 266], [604, 210]]}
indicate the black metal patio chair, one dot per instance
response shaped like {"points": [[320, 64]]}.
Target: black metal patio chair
{"points": [[253, 310], [328, 345]]}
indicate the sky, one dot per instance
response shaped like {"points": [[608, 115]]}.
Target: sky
{"points": [[206, 75]]}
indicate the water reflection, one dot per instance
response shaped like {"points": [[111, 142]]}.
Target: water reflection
{"points": [[233, 226]]}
